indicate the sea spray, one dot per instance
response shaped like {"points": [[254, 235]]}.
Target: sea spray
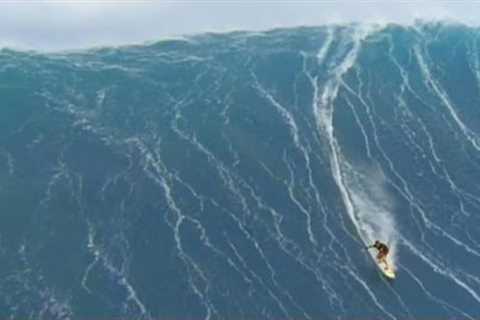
{"points": [[365, 199], [373, 207]]}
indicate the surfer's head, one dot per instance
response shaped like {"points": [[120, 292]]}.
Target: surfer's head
{"points": [[377, 242]]}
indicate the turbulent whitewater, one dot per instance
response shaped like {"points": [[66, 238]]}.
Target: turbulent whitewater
{"points": [[241, 175]]}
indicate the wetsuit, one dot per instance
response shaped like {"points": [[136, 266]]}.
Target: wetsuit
{"points": [[382, 248], [382, 251]]}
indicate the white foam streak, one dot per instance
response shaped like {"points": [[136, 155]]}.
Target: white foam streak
{"points": [[356, 193], [293, 128], [360, 125], [475, 63], [431, 296], [230, 183], [322, 53], [370, 293], [10, 161], [156, 170], [120, 273], [431, 83], [442, 270], [460, 193]]}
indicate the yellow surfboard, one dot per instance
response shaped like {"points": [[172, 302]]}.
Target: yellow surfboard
{"points": [[387, 272]]}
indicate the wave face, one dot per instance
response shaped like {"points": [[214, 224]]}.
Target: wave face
{"points": [[239, 176]]}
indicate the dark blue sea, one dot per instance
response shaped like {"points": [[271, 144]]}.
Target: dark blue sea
{"points": [[241, 175]]}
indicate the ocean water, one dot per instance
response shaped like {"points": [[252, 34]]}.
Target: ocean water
{"points": [[240, 176]]}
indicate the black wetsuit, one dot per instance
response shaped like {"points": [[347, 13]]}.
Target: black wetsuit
{"points": [[382, 248]]}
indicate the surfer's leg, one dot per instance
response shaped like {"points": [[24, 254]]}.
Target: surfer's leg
{"points": [[384, 260]]}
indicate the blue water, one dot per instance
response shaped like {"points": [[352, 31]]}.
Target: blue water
{"points": [[240, 175]]}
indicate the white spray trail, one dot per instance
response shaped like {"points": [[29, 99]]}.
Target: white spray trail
{"points": [[362, 190], [372, 206]]}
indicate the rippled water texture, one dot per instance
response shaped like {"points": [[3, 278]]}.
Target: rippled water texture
{"points": [[239, 176]]}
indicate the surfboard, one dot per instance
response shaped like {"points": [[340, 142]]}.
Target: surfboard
{"points": [[389, 272]]}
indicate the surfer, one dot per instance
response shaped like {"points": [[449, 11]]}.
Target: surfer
{"points": [[382, 252]]}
